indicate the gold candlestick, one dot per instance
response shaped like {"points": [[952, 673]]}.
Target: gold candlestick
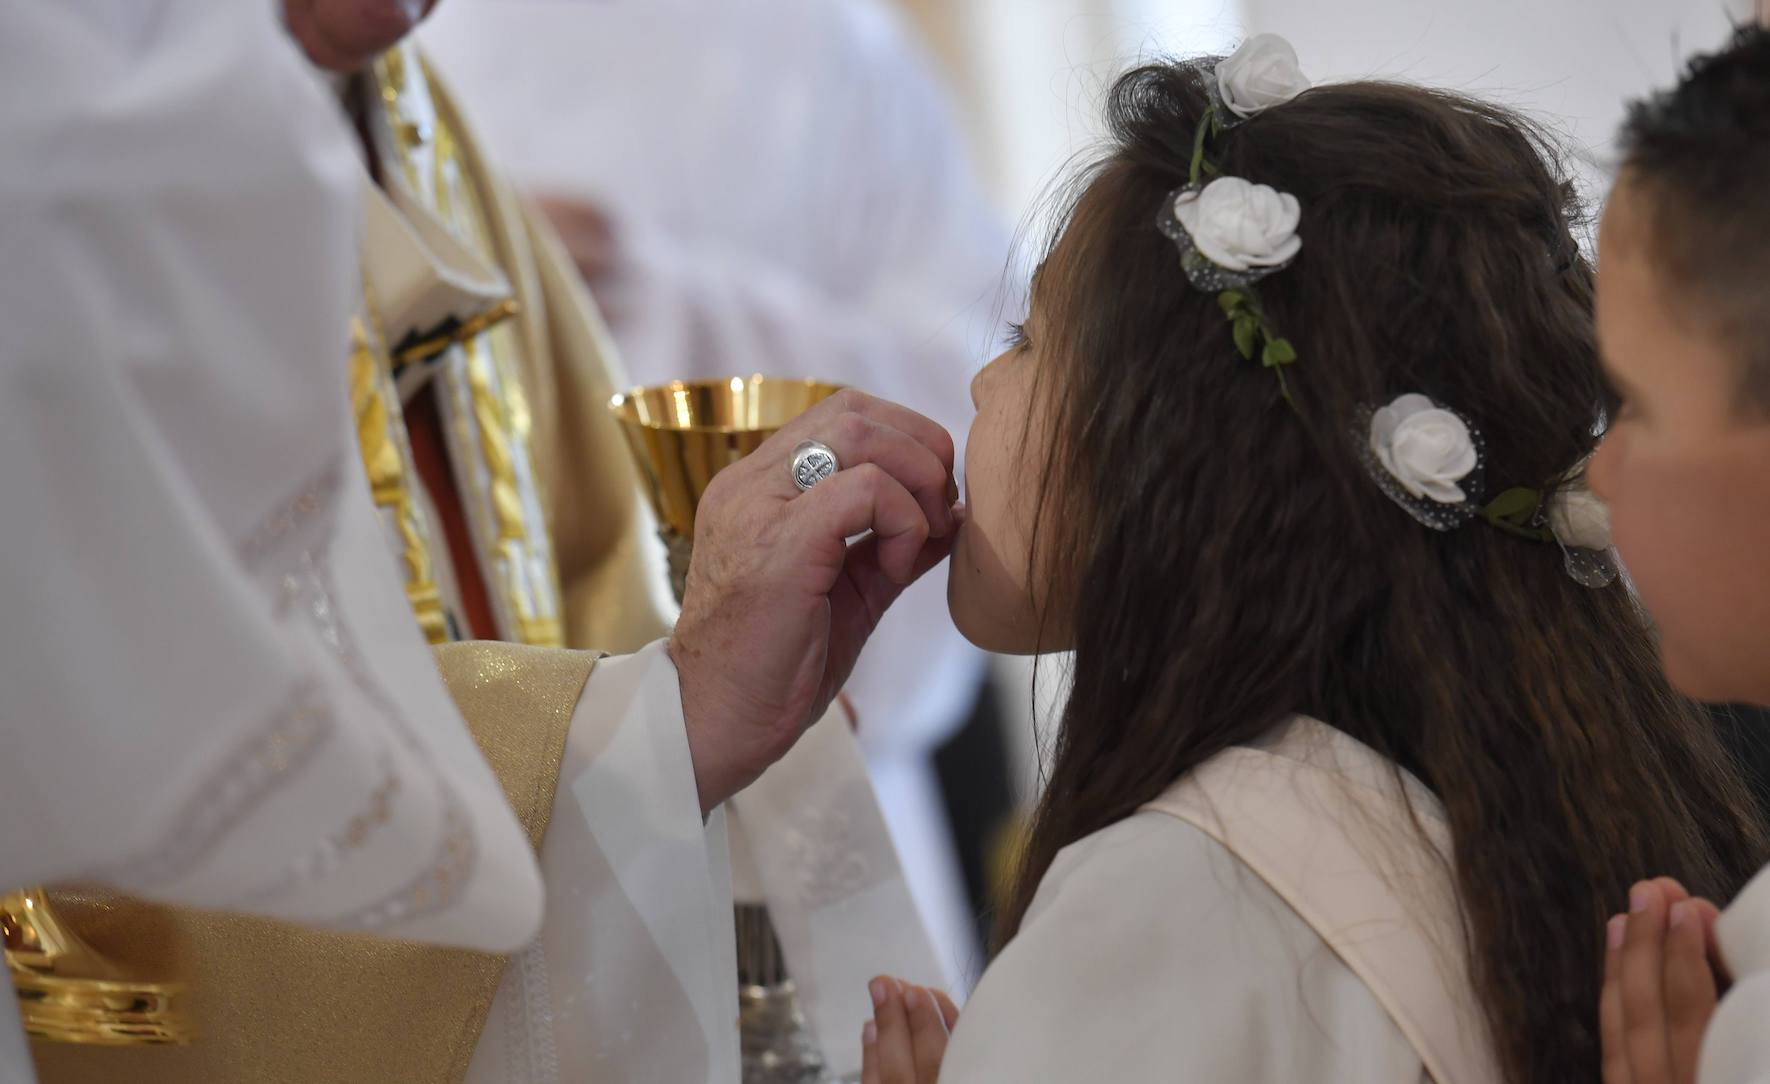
{"points": [[68, 992], [682, 434]]}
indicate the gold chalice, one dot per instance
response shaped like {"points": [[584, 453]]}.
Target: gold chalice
{"points": [[682, 434], [68, 992], [685, 432]]}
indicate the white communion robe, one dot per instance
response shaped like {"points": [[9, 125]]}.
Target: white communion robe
{"points": [[212, 680], [1736, 1049], [1243, 929]]}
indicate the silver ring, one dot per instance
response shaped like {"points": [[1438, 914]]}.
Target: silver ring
{"points": [[812, 462]]}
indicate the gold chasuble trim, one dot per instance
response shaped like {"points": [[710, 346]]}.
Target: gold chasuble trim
{"points": [[487, 422], [387, 459], [280, 1004]]}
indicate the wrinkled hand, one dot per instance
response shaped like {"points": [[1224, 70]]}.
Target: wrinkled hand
{"points": [[778, 603], [905, 1041], [1660, 985]]}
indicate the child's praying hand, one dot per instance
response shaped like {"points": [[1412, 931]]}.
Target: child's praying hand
{"points": [[1661, 983], [905, 1041]]}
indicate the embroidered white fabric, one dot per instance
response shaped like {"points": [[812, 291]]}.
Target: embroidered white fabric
{"points": [[179, 719]]}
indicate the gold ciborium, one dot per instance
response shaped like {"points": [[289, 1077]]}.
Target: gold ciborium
{"points": [[685, 432], [68, 992], [682, 434]]}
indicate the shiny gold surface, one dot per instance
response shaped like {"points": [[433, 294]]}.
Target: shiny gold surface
{"points": [[473, 326], [68, 992], [387, 458], [685, 432], [280, 1004]]}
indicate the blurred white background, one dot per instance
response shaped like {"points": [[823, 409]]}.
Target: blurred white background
{"points": [[1030, 73]]}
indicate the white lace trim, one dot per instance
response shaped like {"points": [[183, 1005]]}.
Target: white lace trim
{"points": [[531, 1055], [309, 506], [451, 866], [286, 744], [249, 775]]}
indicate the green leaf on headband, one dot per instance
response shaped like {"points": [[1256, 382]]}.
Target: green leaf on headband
{"points": [[1279, 352], [1247, 329], [1230, 301], [1517, 506]]}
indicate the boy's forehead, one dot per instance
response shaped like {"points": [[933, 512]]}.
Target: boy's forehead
{"points": [[1625, 220]]}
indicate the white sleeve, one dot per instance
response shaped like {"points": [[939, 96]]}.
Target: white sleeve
{"points": [[1151, 953], [634, 972], [214, 693], [1735, 1049]]}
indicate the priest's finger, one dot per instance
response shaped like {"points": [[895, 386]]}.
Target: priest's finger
{"points": [[818, 422], [895, 1050], [1643, 986], [1690, 993], [1615, 1049], [927, 1032], [857, 439], [864, 592], [854, 502]]}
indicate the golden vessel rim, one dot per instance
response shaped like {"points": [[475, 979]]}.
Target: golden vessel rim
{"points": [[620, 401]]}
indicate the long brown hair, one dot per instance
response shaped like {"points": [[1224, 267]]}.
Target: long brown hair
{"points": [[1229, 563]]}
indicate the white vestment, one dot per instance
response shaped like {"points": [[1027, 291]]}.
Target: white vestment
{"points": [[790, 195], [1736, 1048], [212, 679], [1243, 930]]}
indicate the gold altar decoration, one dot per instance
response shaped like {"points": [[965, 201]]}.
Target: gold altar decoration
{"points": [[69, 992], [684, 432]]}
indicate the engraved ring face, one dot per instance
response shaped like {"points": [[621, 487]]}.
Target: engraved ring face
{"points": [[812, 463]]}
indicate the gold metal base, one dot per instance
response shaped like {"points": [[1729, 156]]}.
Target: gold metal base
{"points": [[68, 993]]}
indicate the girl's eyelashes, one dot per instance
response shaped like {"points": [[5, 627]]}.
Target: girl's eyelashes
{"points": [[1016, 336]]}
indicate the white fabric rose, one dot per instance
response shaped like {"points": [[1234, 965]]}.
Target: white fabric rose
{"points": [[1261, 74], [1580, 519], [1425, 448], [1238, 225]]}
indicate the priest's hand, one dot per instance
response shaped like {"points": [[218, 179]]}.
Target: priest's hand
{"points": [[905, 1041], [1660, 986], [779, 602]]}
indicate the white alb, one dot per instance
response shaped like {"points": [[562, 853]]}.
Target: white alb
{"points": [[1424, 447]]}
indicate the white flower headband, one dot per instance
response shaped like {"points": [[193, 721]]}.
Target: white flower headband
{"points": [[1427, 458], [1231, 232], [1431, 460]]}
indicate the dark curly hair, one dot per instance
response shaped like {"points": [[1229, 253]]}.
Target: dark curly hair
{"points": [[1700, 152], [1227, 562]]}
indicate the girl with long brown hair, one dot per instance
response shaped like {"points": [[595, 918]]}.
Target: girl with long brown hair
{"points": [[1364, 733]]}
